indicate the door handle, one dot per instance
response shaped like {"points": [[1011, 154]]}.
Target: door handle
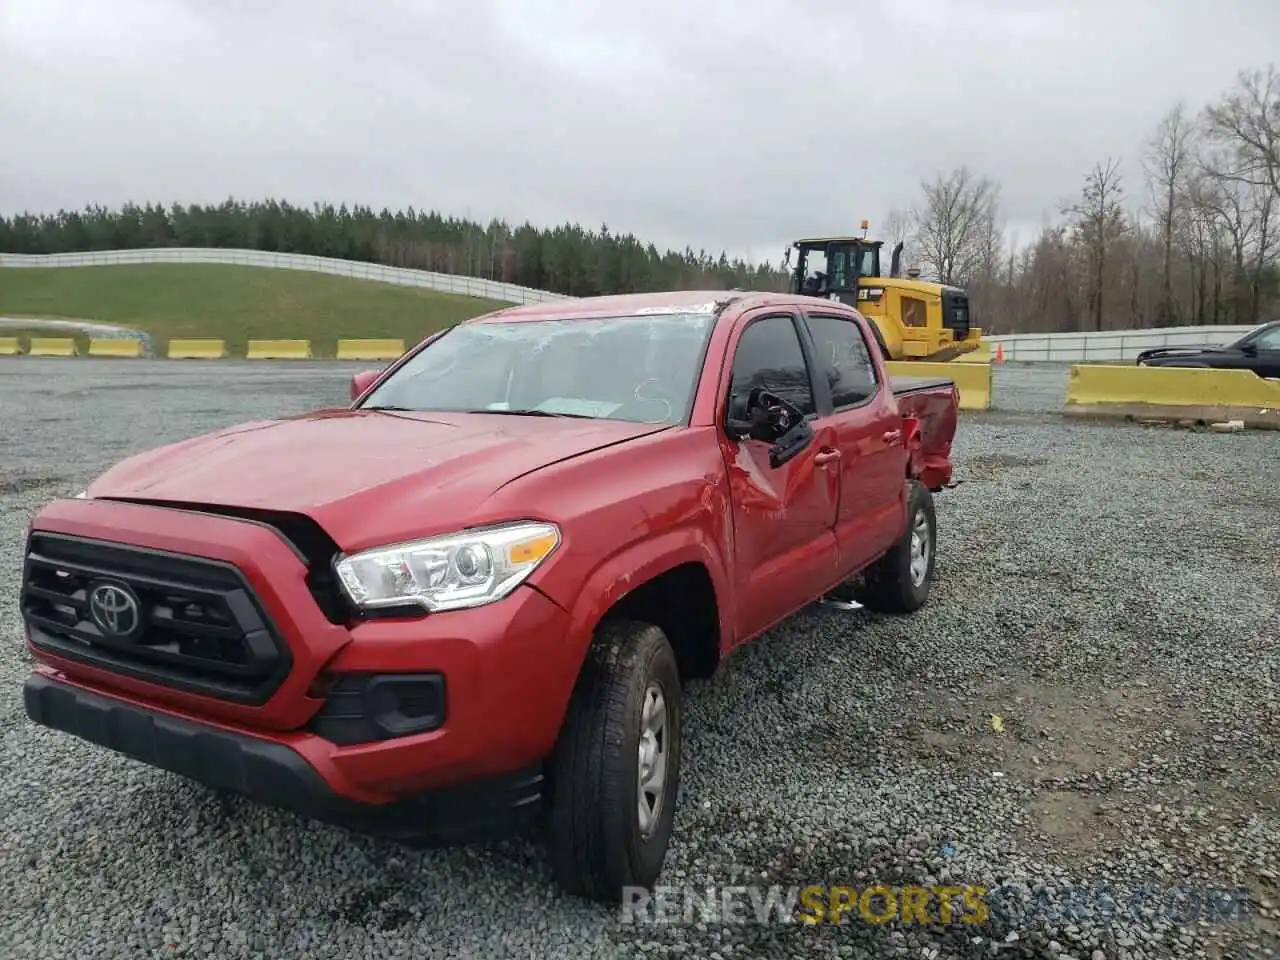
{"points": [[892, 436], [824, 457]]}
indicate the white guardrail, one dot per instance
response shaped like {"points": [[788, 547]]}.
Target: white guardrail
{"points": [[1103, 346], [444, 282], [1108, 345]]}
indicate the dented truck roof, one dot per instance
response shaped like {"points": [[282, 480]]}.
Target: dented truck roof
{"points": [[633, 305]]}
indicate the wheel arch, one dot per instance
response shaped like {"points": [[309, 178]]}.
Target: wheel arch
{"points": [[658, 579]]}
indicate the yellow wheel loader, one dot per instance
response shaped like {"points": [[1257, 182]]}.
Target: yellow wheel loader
{"points": [[915, 320]]}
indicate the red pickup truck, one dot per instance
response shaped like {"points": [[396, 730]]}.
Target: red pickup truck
{"points": [[469, 601]]}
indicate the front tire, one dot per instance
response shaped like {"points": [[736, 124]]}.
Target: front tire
{"points": [[899, 581], [615, 772]]}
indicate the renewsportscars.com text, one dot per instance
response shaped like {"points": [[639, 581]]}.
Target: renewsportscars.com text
{"points": [[926, 905]]}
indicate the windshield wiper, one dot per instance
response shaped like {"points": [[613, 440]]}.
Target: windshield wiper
{"points": [[531, 412]]}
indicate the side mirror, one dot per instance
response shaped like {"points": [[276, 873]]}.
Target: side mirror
{"points": [[362, 381], [769, 418], [1249, 349]]}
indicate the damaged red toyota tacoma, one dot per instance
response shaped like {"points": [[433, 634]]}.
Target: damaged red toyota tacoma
{"points": [[469, 601]]}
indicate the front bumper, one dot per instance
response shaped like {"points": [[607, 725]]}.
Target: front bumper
{"points": [[272, 772], [508, 668]]}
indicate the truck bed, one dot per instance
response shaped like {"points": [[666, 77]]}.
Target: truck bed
{"points": [[931, 401]]}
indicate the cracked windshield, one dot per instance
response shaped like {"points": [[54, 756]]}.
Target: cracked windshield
{"points": [[639, 368]]}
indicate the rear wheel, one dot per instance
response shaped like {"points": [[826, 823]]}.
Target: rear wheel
{"points": [[615, 772], [899, 581]]}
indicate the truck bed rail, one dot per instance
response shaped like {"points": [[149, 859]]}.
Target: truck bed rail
{"points": [[904, 385]]}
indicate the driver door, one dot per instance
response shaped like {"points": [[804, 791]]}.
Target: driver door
{"points": [[784, 516]]}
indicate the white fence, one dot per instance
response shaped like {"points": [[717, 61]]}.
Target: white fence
{"points": [[1108, 345], [444, 282]]}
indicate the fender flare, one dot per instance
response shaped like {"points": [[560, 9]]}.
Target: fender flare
{"points": [[622, 572], [637, 564]]}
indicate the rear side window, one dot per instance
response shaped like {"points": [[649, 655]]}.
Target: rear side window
{"points": [[844, 356], [769, 357]]}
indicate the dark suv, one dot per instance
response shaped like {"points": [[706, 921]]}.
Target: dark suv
{"points": [[1258, 350]]}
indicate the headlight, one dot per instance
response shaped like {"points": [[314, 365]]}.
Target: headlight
{"points": [[448, 573]]}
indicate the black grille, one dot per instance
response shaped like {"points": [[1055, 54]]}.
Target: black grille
{"points": [[312, 546], [955, 313], [199, 626]]}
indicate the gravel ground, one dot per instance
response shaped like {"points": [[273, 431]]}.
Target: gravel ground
{"points": [[1108, 591]]}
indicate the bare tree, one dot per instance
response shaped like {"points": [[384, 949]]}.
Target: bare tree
{"points": [[1247, 218], [990, 299], [1048, 283], [1099, 223], [1205, 242], [991, 246], [1246, 122], [1167, 160], [954, 225]]}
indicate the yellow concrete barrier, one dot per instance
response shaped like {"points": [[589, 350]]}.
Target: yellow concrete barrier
{"points": [[279, 350], [981, 355], [53, 347], [197, 349], [370, 349], [115, 347], [972, 379], [1173, 393], [10, 347]]}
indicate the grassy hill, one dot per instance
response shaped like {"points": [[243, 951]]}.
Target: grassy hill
{"points": [[233, 303]]}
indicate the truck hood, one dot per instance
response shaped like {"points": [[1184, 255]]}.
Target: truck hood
{"points": [[366, 477], [1157, 352]]}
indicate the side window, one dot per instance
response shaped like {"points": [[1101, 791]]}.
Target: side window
{"points": [[769, 356], [842, 353], [913, 312], [1268, 340]]}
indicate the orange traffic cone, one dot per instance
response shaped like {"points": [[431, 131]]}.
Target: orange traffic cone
{"points": [[999, 353]]}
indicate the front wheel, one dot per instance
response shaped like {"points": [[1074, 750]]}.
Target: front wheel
{"points": [[899, 581], [615, 772]]}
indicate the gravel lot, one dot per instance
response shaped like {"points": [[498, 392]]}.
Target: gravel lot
{"points": [[1108, 591]]}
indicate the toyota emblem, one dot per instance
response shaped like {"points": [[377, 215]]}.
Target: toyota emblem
{"points": [[114, 610]]}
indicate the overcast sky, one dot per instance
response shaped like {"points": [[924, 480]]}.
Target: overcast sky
{"points": [[726, 125]]}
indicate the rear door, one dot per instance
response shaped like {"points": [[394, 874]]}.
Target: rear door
{"points": [[868, 430], [783, 517]]}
